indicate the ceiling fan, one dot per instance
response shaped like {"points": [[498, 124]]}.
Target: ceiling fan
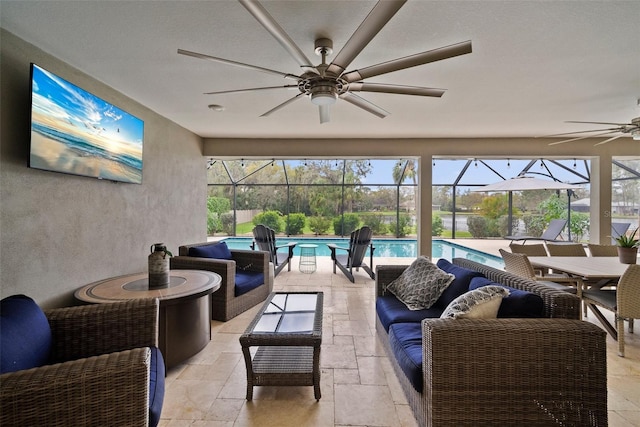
{"points": [[325, 83], [623, 129]]}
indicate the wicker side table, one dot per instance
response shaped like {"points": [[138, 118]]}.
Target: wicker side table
{"points": [[288, 333]]}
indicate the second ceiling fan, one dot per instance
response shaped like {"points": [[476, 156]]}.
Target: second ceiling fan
{"points": [[325, 83]]}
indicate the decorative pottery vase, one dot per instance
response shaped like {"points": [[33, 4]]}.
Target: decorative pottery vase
{"points": [[627, 255], [158, 267]]}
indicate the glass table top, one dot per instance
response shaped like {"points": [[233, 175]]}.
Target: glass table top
{"points": [[288, 313]]}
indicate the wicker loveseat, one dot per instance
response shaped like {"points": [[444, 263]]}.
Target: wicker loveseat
{"points": [[247, 276], [95, 365], [547, 371]]}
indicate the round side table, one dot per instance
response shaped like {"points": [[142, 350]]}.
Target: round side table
{"points": [[185, 307], [307, 258]]}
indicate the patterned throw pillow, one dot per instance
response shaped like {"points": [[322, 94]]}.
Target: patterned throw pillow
{"points": [[481, 303], [421, 284]]}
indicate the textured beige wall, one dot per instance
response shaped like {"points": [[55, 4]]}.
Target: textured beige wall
{"points": [[59, 232]]}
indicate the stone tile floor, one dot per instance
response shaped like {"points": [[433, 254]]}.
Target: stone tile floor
{"points": [[359, 387]]}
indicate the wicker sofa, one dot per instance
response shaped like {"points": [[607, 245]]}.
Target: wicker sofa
{"points": [[548, 371], [245, 265], [93, 365]]}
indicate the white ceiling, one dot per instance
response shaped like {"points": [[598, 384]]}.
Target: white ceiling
{"points": [[534, 64]]}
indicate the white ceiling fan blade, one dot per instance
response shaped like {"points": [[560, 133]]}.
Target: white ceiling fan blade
{"points": [[580, 131], [284, 104], [608, 140], [324, 113], [397, 89], [270, 24], [364, 104], [237, 64], [582, 137], [251, 89], [599, 123], [381, 13], [409, 61]]}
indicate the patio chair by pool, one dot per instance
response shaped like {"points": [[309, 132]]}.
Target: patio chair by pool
{"points": [[265, 238], [359, 242], [618, 229], [551, 234]]}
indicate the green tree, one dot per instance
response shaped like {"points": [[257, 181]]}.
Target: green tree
{"points": [[436, 225], [271, 219], [403, 226], [494, 206], [295, 223], [319, 224], [351, 222], [216, 206]]}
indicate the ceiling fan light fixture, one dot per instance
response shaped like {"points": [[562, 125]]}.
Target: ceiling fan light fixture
{"points": [[324, 94], [635, 134], [324, 98]]}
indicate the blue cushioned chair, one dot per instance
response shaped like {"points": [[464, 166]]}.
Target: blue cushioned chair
{"points": [[88, 365], [247, 278]]}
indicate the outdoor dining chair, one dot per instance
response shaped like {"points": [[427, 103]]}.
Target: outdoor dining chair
{"points": [[624, 301], [536, 249], [602, 250], [566, 249], [520, 265]]}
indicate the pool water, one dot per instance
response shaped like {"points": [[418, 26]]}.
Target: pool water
{"points": [[390, 248]]}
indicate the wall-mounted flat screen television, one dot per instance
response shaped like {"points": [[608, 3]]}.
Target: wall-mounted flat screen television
{"points": [[75, 132]]}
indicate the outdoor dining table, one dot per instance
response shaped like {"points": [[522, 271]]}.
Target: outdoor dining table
{"points": [[588, 268], [599, 270]]}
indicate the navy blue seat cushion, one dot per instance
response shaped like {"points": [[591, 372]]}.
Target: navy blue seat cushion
{"points": [[406, 343], [459, 286], [25, 334], [156, 386], [247, 281], [215, 250], [519, 303], [391, 310]]}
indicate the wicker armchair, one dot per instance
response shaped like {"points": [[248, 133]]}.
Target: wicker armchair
{"points": [[225, 304], [101, 370]]}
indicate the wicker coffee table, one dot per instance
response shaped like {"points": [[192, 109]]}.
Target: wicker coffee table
{"points": [[288, 334]]}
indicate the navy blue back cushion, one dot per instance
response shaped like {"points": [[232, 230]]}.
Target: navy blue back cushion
{"points": [[25, 334], [391, 310], [519, 303], [405, 340], [214, 250], [459, 286], [247, 281], [156, 386]]}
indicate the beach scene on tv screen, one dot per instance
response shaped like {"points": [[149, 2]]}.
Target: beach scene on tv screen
{"points": [[74, 131]]}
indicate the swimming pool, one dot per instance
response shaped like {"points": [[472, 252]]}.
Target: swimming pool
{"points": [[384, 248]]}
